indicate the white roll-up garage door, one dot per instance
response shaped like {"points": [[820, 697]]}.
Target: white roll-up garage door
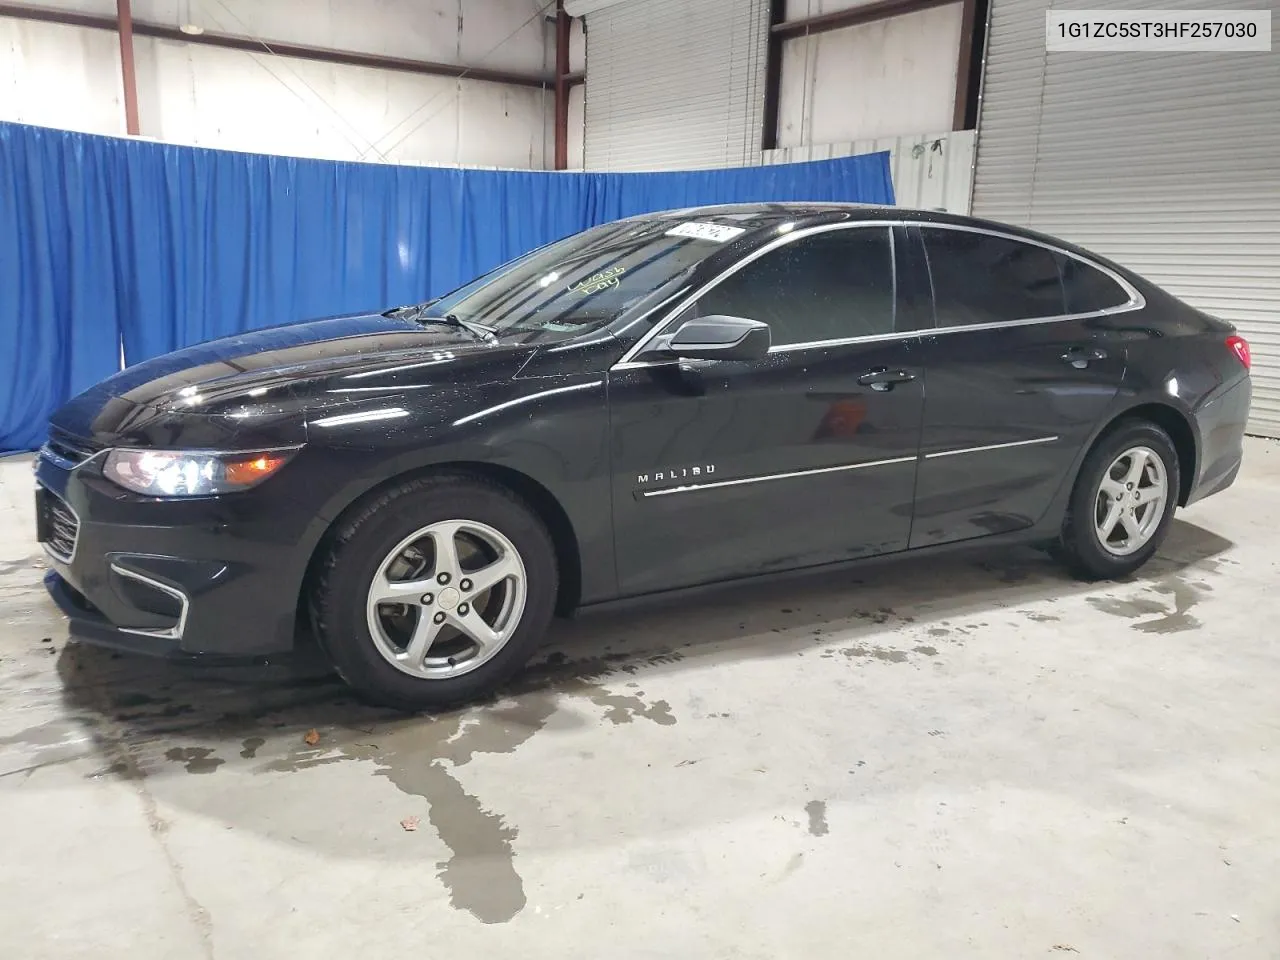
{"points": [[1168, 163], [675, 84]]}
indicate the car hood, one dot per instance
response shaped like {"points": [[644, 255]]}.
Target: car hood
{"points": [[281, 374]]}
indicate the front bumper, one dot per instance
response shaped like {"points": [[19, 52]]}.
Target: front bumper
{"points": [[216, 576]]}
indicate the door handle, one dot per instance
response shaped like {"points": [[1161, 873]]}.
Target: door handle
{"points": [[882, 378], [1079, 357]]}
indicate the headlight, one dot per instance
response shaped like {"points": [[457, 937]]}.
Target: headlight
{"points": [[192, 473]]}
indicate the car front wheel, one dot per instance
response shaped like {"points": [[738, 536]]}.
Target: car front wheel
{"points": [[1123, 501], [435, 592]]}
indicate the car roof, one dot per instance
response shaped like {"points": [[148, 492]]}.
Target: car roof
{"points": [[766, 216], [809, 213]]}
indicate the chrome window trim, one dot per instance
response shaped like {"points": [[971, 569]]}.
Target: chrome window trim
{"points": [[1136, 300], [163, 633]]}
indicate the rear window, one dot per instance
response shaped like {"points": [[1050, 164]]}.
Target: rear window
{"points": [[1088, 289]]}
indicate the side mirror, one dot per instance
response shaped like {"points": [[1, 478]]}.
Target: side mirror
{"points": [[721, 338]]}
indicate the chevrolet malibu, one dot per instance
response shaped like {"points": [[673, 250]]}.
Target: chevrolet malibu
{"points": [[663, 402]]}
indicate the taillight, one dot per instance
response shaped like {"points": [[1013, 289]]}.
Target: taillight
{"points": [[1240, 347]]}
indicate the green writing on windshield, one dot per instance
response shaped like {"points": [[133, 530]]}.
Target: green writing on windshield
{"points": [[599, 281]]}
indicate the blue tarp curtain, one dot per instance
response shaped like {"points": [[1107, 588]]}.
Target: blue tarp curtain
{"points": [[105, 240]]}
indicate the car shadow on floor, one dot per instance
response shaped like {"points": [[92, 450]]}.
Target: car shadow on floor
{"points": [[890, 610]]}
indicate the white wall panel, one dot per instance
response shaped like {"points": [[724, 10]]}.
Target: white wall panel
{"points": [[580, 8], [1165, 162], [200, 96], [577, 125], [930, 172], [577, 45], [447, 31], [674, 84], [188, 93], [880, 79], [60, 77], [803, 9]]}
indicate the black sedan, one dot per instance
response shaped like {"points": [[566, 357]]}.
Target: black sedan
{"points": [[672, 400]]}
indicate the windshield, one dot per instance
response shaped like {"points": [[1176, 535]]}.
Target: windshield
{"points": [[578, 284]]}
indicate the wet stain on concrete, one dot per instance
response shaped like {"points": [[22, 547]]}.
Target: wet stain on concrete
{"points": [[32, 562], [879, 653], [794, 864], [48, 744], [120, 770], [1130, 609], [52, 734], [250, 747], [1164, 620], [480, 872], [875, 616], [1177, 620], [420, 756], [1042, 617], [624, 709], [194, 759], [927, 651], [938, 631], [817, 812]]}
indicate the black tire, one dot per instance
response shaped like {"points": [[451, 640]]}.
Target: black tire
{"points": [[1081, 547], [338, 597]]}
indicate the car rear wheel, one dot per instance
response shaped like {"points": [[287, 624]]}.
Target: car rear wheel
{"points": [[435, 592], [1123, 501]]}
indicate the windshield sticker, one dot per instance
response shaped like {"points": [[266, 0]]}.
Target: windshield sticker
{"points": [[705, 231], [599, 281]]}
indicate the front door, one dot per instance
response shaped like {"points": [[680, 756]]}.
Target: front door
{"points": [[806, 457], [1020, 371]]}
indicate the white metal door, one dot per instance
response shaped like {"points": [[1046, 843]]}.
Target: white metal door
{"points": [[1168, 163], [674, 84]]}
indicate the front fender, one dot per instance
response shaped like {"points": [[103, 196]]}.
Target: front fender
{"points": [[552, 434]]}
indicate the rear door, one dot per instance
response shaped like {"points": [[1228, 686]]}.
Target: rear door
{"points": [[1020, 369], [805, 457]]}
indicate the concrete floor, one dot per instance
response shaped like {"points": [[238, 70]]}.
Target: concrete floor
{"points": [[965, 757]]}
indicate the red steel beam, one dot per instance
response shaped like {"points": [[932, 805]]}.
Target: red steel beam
{"points": [[124, 27], [562, 87], [852, 17]]}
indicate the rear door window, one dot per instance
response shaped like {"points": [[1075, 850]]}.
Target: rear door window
{"points": [[979, 278]]}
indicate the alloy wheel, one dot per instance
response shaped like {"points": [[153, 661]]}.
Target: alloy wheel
{"points": [[446, 599], [1131, 501]]}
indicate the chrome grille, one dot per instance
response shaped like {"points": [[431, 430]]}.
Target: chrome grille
{"points": [[63, 527]]}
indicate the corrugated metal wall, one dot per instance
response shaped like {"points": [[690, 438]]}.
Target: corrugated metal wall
{"points": [[930, 171], [674, 84], [1166, 162]]}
